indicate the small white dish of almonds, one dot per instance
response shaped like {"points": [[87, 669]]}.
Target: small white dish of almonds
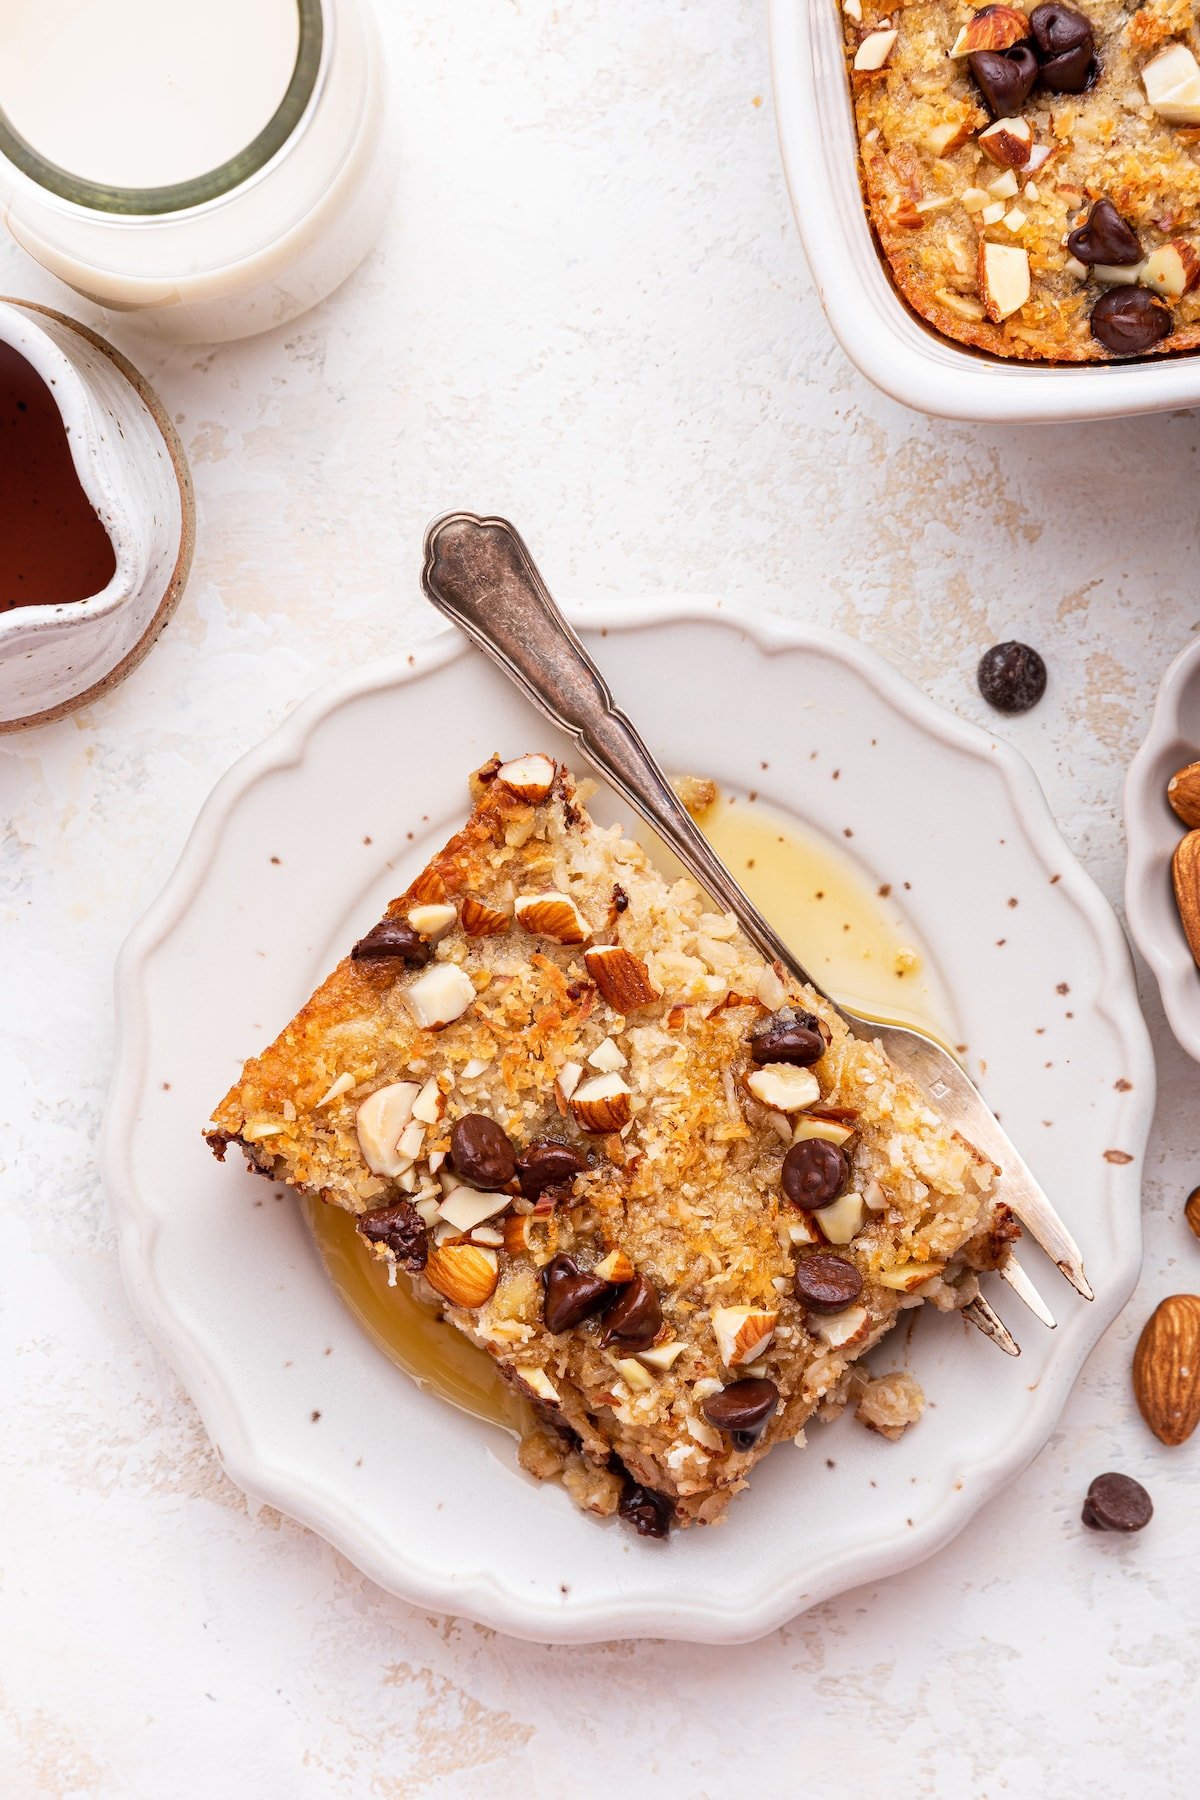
{"points": [[1162, 829], [296, 858]]}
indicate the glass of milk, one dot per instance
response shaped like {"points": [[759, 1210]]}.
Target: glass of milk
{"points": [[209, 170]]}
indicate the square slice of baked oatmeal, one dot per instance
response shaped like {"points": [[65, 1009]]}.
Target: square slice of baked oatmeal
{"points": [[658, 1182]]}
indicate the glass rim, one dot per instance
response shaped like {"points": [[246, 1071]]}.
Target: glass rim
{"points": [[198, 190]]}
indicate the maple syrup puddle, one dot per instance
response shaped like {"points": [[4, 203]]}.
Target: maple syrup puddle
{"points": [[857, 945]]}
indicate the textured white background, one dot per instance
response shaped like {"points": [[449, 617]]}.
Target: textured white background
{"points": [[590, 311]]}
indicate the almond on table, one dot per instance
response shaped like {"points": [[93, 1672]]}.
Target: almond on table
{"points": [[658, 1184]]}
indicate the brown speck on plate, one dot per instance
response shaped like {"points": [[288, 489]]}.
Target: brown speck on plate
{"points": [[368, 840], [884, 890], [1000, 943], [1055, 878], [1122, 1086], [276, 860], [1062, 988], [166, 1087], [1013, 901], [846, 831], [837, 775], [1117, 1156], [315, 1415]]}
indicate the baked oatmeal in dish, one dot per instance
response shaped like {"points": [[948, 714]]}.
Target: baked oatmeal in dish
{"points": [[658, 1183], [1033, 175]]}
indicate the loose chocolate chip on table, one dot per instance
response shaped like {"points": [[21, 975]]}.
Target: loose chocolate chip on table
{"points": [[1130, 320], [401, 1229], [1005, 78], [633, 1319], [393, 940], [1011, 677], [547, 1164], [649, 1513], [480, 1153], [572, 1293], [741, 1410], [826, 1283], [1117, 1503], [788, 1036], [1105, 238], [814, 1173], [1065, 43]]}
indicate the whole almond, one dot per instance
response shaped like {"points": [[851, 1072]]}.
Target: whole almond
{"points": [[462, 1273], [1191, 1211], [623, 979], [1166, 1369], [1185, 873], [1183, 792]]}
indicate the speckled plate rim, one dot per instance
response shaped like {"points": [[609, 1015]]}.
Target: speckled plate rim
{"points": [[1151, 832], [482, 1593]]}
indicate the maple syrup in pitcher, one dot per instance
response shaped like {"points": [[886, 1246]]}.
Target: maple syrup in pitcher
{"points": [[53, 549]]}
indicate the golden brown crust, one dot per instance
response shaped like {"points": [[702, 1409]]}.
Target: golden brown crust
{"points": [[1106, 143]]}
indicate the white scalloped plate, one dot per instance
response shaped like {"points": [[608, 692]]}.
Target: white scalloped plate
{"points": [[429, 1502], [1152, 832]]}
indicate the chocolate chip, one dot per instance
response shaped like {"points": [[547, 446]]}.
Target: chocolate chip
{"points": [[790, 1035], [633, 1319], [480, 1153], [1065, 43], [1117, 1503], [1005, 78], [1129, 320], [393, 940], [401, 1229], [814, 1173], [649, 1513], [1011, 677], [1105, 238], [826, 1283], [547, 1164], [572, 1293], [741, 1410]]}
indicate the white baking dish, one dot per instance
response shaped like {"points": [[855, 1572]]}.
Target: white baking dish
{"points": [[875, 328]]}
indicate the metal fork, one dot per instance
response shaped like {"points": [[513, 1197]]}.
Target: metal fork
{"points": [[479, 573]]}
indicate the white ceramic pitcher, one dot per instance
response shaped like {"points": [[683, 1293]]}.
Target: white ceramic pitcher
{"points": [[132, 469]]}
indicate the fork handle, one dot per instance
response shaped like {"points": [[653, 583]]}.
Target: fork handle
{"points": [[479, 573]]}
